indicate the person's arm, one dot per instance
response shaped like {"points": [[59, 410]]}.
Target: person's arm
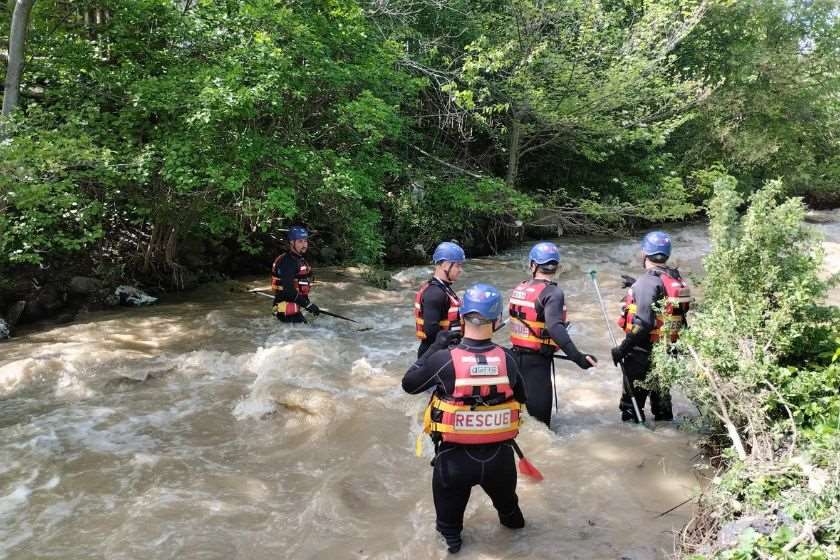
{"points": [[435, 309], [647, 291], [430, 370], [553, 306]]}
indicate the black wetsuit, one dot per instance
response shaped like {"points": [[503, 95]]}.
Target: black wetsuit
{"points": [[435, 306], [286, 269], [457, 467], [536, 366], [648, 290]]}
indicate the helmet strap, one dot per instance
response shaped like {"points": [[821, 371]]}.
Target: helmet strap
{"points": [[446, 271]]}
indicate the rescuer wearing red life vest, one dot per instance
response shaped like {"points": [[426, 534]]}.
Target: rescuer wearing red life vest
{"points": [[658, 301], [291, 279], [538, 329], [473, 415], [436, 305]]}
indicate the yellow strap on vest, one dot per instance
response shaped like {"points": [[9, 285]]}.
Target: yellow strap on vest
{"points": [[429, 426], [449, 407], [537, 326], [427, 423]]}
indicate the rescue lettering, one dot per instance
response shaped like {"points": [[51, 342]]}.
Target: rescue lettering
{"points": [[482, 420]]}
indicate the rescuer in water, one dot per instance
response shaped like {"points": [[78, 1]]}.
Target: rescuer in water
{"points": [[655, 303], [291, 279], [436, 305], [473, 415], [538, 329]]}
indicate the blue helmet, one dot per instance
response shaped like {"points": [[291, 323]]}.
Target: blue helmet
{"points": [[483, 299], [448, 251], [544, 252], [657, 243], [297, 232]]}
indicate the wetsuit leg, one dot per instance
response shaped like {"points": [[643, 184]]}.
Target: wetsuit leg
{"points": [[536, 371], [636, 365], [454, 476], [660, 405], [499, 482], [423, 347], [296, 318]]}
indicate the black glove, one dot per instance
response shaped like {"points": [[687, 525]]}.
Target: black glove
{"points": [[627, 281], [583, 362], [444, 339], [312, 308], [617, 354]]}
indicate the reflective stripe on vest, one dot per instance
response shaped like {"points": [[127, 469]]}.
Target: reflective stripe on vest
{"points": [[453, 313], [286, 308], [677, 302], [527, 328], [482, 408]]}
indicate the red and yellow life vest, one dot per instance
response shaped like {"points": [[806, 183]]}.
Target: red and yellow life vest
{"points": [[675, 307], [302, 283], [527, 328], [482, 408], [453, 313]]}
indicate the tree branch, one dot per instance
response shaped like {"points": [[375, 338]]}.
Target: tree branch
{"points": [[724, 417], [446, 163]]}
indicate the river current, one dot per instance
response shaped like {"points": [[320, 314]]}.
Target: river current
{"points": [[202, 428]]}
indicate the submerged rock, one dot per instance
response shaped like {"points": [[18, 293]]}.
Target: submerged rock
{"points": [[83, 286], [731, 532], [133, 297]]}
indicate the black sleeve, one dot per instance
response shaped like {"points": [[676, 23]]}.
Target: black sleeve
{"points": [[432, 370], [553, 300], [435, 306], [515, 377], [647, 291], [286, 270]]}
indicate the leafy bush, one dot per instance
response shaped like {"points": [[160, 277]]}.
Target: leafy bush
{"points": [[757, 361], [479, 213]]}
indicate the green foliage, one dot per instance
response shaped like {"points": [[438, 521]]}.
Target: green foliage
{"points": [[594, 82], [158, 129], [43, 180], [476, 212], [757, 361], [774, 67]]}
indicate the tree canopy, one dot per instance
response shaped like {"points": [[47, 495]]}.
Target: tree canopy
{"points": [[154, 134]]}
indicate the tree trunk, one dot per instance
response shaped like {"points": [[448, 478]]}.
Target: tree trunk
{"points": [[17, 41], [513, 150]]}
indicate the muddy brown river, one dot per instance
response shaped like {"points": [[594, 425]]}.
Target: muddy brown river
{"points": [[204, 429]]}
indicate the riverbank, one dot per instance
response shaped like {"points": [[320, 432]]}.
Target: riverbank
{"points": [[36, 297]]}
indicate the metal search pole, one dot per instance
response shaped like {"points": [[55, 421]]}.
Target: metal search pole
{"points": [[627, 385]]}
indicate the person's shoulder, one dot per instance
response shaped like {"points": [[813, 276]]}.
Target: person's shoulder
{"points": [[507, 351], [552, 289], [435, 289], [439, 357], [280, 259]]}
